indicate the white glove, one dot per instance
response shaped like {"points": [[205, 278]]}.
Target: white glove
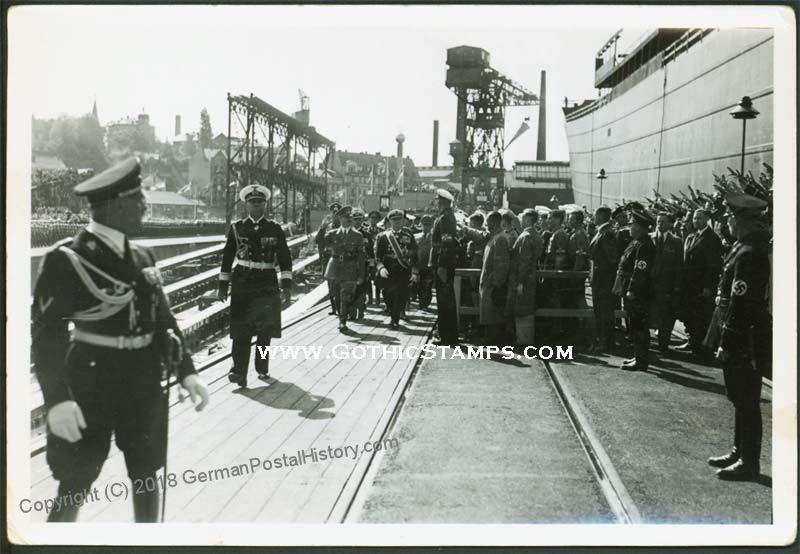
{"points": [[65, 420], [384, 273]]}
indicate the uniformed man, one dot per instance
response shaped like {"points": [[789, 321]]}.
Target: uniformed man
{"points": [[741, 333], [605, 259], [331, 221], [396, 259], [444, 257], [360, 300], [702, 261], [373, 230], [346, 266], [521, 303], [634, 284], [494, 282], [425, 285], [667, 275], [622, 235], [103, 376], [577, 260], [544, 230], [257, 245]]}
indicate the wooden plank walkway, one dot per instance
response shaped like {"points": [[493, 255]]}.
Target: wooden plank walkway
{"points": [[310, 403]]}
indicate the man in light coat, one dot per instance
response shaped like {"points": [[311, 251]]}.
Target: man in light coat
{"points": [[494, 280], [521, 302]]}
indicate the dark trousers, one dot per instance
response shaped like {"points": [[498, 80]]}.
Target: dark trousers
{"points": [[240, 352], [698, 312], [425, 287], [743, 387], [639, 317], [396, 293], [344, 293], [603, 303], [666, 322], [446, 307]]}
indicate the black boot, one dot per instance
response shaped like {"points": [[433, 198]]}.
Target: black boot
{"points": [[65, 514], [145, 504], [725, 460], [740, 471], [262, 363]]}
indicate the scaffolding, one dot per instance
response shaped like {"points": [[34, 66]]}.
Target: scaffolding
{"points": [[268, 147]]}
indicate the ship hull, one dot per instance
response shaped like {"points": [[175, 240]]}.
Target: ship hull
{"points": [[672, 128]]}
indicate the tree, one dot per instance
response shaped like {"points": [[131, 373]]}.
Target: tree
{"points": [[79, 142], [205, 129]]}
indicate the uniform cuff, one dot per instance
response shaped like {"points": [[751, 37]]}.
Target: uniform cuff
{"points": [[286, 275], [380, 266], [223, 276]]}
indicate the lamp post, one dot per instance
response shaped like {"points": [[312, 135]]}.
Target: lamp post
{"points": [[744, 111], [601, 176]]}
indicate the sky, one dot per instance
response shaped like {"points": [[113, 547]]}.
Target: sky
{"points": [[371, 72]]}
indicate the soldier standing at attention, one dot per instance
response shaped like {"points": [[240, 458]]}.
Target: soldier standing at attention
{"points": [[740, 333], [634, 283], [331, 221], [373, 229], [604, 256], [257, 244], [346, 266], [444, 257], [525, 255], [396, 260], [360, 301], [425, 285], [667, 275], [702, 260], [103, 376], [494, 281]]}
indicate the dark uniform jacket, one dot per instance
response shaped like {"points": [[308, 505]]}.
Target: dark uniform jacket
{"points": [[402, 261], [604, 256], [369, 248], [327, 224], [557, 257], [525, 256], [260, 248], [83, 281], [348, 254], [578, 251], [546, 236], [702, 259], [742, 296], [667, 268], [623, 238], [634, 272], [444, 244]]}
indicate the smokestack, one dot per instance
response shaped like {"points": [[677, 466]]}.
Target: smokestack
{"points": [[435, 142], [177, 125], [541, 141]]}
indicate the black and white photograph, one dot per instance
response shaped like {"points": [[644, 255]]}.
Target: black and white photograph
{"points": [[408, 275]]}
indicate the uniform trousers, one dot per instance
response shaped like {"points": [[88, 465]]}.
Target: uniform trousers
{"points": [[344, 292], [743, 388], [639, 318], [119, 392], [697, 316], [524, 329], [396, 292], [446, 307], [425, 287], [603, 303]]}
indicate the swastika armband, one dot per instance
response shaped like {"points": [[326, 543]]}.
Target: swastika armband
{"points": [[641, 264], [739, 288]]}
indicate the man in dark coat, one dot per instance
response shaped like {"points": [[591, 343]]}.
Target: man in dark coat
{"points": [[634, 283], [667, 274], [702, 262], [103, 336], [331, 221], [740, 333], [444, 257], [605, 258], [258, 245], [345, 271], [521, 303], [397, 263]]}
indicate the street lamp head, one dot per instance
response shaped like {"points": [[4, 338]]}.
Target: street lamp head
{"points": [[601, 174], [744, 110], [400, 138]]}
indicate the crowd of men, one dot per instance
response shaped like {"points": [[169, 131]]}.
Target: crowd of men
{"points": [[104, 336]]}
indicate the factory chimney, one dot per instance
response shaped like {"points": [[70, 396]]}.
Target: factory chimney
{"points": [[435, 142], [541, 142], [177, 125]]}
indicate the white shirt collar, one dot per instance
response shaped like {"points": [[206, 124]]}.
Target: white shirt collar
{"points": [[111, 237], [253, 220]]}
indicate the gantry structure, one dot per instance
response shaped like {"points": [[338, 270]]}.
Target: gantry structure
{"points": [[271, 148], [483, 95]]}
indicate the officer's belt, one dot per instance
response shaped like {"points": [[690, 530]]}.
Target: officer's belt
{"points": [[255, 265], [120, 343]]}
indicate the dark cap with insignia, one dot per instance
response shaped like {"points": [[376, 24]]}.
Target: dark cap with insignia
{"points": [[396, 214], [746, 205], [375, 213], [617, 211], [335, 207], [344, 212], [117, 181], [634, 206], [357, 213], [642, 218], [426, 219]]}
